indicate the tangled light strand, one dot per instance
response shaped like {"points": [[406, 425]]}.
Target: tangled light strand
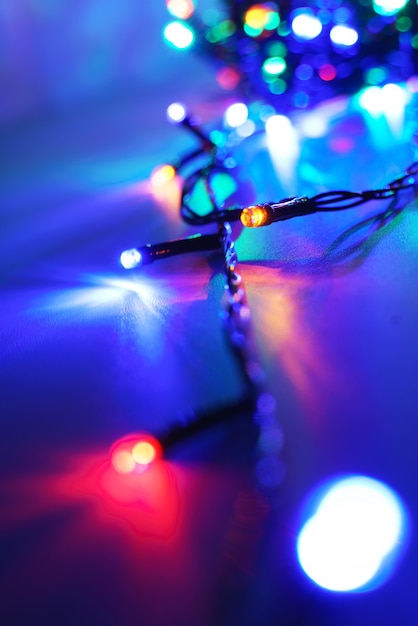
{"points": [[257, 403]]}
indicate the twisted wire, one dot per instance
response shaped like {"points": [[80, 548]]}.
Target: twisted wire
{"points": [[269, 469]]}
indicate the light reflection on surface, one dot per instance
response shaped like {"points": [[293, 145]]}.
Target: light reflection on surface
{"points": [[96, 293], [127, 533], [384, 110], [274, 301], [283, 143], [167, 196]]}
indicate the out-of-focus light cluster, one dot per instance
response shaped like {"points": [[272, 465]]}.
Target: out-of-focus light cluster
{"points": [[296, 56], [261, 18], [354, 536], [284, 132], [376, 100], [134, 454]]}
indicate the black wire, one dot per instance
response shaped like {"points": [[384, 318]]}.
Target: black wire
{"points": [[323, 202]]}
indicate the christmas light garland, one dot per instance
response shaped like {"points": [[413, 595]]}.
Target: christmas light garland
{"points": [[291, 54], [257, 403]]}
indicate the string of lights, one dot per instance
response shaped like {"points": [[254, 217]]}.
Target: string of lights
{"points": [[257, 402], [291, 57], [257, 215]]}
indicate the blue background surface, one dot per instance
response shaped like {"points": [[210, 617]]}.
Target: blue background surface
{"points": [[90, 353]]}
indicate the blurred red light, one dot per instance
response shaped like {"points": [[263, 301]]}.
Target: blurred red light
{"points": [[134, 453]]}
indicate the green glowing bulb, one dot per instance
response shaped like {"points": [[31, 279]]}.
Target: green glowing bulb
{"points": [[274, 66]]}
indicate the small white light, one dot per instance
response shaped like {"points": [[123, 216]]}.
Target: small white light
{"points": [[343, 35], [176, 112], [358, 522], [236, 114], [130, 258], [306, 26]]}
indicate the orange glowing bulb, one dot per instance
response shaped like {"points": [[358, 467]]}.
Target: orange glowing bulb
{"points": [[123, 461], [254, 216], [161, 175], [256, 17], [143, 453]]}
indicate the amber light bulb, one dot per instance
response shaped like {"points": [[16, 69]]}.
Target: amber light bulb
{"points": [[254, 216]]}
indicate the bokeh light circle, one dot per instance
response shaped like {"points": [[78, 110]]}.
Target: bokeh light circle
{"points": [[133, 454], [357, 524]]}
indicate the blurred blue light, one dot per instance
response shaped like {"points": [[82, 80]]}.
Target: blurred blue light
{"points": [[358, 523], [306, 26], [343, 35]]}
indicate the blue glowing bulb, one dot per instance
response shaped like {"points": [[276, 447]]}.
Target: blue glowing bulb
{"points": [[306, 26], [358, 523], [343, 35], [130, 258]]}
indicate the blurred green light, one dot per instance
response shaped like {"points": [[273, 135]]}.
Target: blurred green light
{"points": [[252, 32], [274, 66], [223, 187], [388, 7], [218, 138], [272, 21], [376, 75], [221, 31], [284, 29], [276, 49], [403, 24], [414, 42], [278, 87], [179, 35]]}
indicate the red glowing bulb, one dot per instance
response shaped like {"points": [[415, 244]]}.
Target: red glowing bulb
{"points": [[134, 453]]}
